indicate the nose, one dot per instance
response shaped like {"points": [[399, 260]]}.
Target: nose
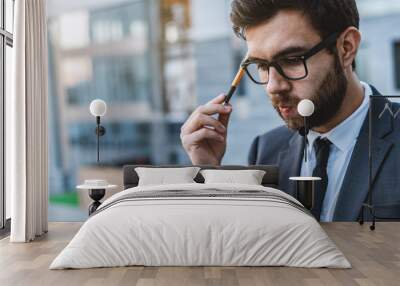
{"points": [[276, 82]]}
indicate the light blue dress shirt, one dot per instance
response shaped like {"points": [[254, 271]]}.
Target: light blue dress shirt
{"points": [[343, 138]]}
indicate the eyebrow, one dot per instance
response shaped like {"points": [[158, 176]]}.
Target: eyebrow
{"points": [[283, 53]]}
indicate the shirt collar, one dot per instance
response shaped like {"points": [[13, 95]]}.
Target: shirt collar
{"points": [[344, 135]]}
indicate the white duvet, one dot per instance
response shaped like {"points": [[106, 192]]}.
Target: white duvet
{"points": [[202, 231]]}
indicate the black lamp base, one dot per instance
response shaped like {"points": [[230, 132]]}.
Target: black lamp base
{"points": [[96, 195], [305, 193]]}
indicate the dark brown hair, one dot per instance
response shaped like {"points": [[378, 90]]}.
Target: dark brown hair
{"points": [[326, 16]]}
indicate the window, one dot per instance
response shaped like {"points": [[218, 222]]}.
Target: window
{"points": [[6, 43], [397, 64]]}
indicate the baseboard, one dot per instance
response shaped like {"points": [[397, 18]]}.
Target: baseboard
{"points": [[5, 231]]}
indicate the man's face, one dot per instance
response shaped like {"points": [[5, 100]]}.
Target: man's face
{"points": [[289, 33]]}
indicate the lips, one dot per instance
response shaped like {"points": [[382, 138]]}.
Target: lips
{"points": [[287, 111]]}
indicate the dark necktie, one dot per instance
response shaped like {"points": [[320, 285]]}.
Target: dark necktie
{"points": [[321, 147]]}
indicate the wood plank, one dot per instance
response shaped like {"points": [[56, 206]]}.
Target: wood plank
{"points": [[375, 257]]}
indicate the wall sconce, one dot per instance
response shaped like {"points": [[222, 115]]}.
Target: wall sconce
{"points": [[305, 108], [98, 108]]}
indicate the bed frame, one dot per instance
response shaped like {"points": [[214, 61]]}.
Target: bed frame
{"points": [[270, 179]]}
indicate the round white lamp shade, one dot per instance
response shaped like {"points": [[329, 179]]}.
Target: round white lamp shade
{"points": [[305, 107], [98, 107]]}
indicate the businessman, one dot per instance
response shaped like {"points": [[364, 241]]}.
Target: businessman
{"points": [[306, 50]]}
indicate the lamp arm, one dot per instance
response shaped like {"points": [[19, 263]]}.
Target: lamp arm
{"points": [[98, 137], [306, 130]]}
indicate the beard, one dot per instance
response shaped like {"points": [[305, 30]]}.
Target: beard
{"points": [[327, 99]]}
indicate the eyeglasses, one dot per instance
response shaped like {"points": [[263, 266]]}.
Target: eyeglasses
{"points": [[291, 68]]}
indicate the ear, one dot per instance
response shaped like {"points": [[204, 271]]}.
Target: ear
{"points": [[347, 46]]}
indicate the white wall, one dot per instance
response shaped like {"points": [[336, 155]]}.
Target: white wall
{"points": [[379, 35]]}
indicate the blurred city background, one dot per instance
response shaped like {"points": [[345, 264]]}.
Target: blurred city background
{"points": [[154, 62]]}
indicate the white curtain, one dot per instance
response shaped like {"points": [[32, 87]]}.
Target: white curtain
{"points": [[26, 123]]}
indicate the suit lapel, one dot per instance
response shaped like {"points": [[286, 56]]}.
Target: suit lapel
{"points": [[290, 163], [355, 183]]}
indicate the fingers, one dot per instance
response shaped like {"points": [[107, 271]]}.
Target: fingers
{"points": [[202, 116], [224, 118], [199, 120], [201, 134], [219, 99], [214, 108]]}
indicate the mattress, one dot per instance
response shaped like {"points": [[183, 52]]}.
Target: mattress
{"points": [[201, 225]]}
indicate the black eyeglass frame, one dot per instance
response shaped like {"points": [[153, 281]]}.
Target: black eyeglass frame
{"points": [[327, 42]]}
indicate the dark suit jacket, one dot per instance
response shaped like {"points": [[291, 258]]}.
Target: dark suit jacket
{"points": [[284, 147]]}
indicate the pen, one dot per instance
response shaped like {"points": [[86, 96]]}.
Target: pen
{"points": [[235, 82]]}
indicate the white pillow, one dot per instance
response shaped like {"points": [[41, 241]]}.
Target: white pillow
{"points": [[248, 177], [162, 176]]}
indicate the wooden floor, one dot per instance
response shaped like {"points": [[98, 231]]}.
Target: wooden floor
{"points": [[375, 257]]}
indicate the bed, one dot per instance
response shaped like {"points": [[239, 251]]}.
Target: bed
{"points": [[201, 224]]}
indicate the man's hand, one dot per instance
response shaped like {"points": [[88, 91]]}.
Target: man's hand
{"points": [[204, 137]]}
